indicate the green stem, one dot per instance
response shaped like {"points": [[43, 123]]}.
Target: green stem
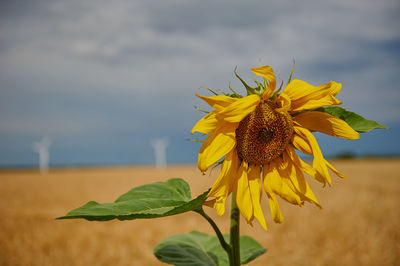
{"points": [[221, 239], [234, 235]]}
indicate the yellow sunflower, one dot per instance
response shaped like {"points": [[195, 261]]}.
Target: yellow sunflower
{"points": [[257, 136]]}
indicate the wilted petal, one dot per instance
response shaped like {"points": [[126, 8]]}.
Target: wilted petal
{"points": [[339, 174], [225, 182], [238, 110], [207, 124], [327, 124], [319, 161], [243, 194], [268, 73], [254, 177], [298, 180], [281, 185], [217, 145], [218, 101], [269, 175], [305, 96]]}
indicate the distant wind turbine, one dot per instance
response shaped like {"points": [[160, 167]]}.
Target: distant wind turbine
{"points": [[42, 147], [160, 151]]}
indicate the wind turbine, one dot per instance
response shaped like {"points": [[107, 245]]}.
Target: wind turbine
{"points": [[160, 151], [42, 147]]}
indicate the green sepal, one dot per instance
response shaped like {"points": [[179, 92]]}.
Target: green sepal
{"points": [[250, 90], [201, 110], [210, 90], [148, 201], [197, 248], [234, 94], [260, 88], [355, 121], [291, 73]]}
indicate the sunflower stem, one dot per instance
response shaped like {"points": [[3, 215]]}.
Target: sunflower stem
{"points": [[234, 234], [221, 239]]}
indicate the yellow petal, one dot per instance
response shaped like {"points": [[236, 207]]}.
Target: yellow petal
{"points": [[301, 144], [304, 147], [227, 177], [207, 124], [327, 124], [288, 191], [319, 161], [332, 87], [238, 110], [268, 173], [217, 145], [314, 104], [254, 176], [301, 164], [284, 101], [339, 174], [298, 180], [306, 167], [268, 73], [276, 212], [274, 179], [217, 101], [243, 196], [280, 184], [305, 96], [220, 205]]}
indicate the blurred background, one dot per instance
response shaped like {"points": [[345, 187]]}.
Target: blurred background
{"points": [[102, 79]]}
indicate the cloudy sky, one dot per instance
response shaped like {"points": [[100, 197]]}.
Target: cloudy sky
{"points": [[103, 78]]}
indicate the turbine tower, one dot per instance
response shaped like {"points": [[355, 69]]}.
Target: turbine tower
{"points": [[42, 147], [160, 151]]}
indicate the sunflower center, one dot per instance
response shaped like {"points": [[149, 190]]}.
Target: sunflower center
{"points": [[263, 134]]}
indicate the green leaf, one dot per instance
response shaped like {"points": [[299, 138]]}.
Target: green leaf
{"points": [[249, 249], [357, 122], [197, 248], [148, 201]]}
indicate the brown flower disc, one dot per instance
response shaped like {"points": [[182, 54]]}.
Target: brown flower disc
{"points": [[263, 134]]}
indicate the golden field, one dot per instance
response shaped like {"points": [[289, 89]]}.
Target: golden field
{"points": [[359, 224]]}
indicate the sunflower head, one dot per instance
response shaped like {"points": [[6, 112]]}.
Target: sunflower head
{"points": [[263, 134], [257, 136]]}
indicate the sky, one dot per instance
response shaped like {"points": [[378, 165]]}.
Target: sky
{"points": [[102, 79]]}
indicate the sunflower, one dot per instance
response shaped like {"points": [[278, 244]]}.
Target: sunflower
{"points": [[257, 137]]}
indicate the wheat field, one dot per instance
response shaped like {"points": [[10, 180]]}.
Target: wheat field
{"points": [[358, 225]]}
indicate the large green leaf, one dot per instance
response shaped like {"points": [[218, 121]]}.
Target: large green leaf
{"points": [[148, 201], [197, 248], [357, 122]]}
